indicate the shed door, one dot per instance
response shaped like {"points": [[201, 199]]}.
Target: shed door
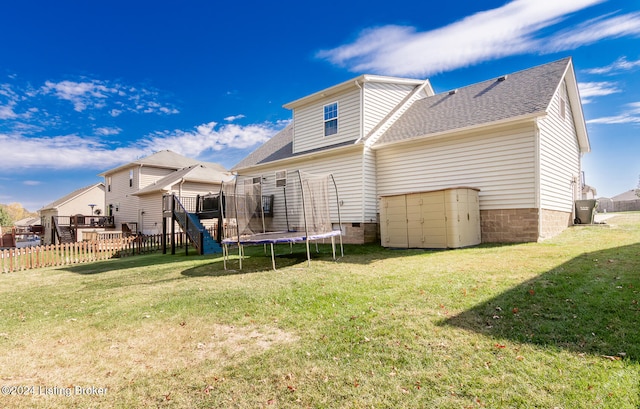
{"points": [[434, 224], [394, 222], [415, 221]]}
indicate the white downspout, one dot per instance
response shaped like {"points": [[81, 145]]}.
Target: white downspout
{"points": [[363, 164], [537, 183]]}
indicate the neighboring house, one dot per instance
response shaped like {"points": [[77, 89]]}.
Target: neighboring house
{"points": [[134, 190], [84, 201], [588, 192], [624, 202], [518, 138]]}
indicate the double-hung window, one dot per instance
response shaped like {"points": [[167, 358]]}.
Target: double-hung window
{"points": [[331, 119]]}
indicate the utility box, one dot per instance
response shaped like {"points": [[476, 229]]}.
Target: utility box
{"points": [[448, 218]]}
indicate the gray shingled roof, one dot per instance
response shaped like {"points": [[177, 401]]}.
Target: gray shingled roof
{"points": [[165, 159], [628, 195], [280, 146], [522, 93]]}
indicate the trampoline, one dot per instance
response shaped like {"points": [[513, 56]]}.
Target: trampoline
{"points": [[298, 212]]}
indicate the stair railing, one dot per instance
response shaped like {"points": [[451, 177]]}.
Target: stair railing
{"points": [[183, 217]]}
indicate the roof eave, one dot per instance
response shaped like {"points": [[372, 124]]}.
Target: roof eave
{"points": [[315, 154], [455, 131], [351, 84], [578, 114]]}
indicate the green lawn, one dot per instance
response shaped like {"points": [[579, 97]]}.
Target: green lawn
{"points": [[537, 325]]}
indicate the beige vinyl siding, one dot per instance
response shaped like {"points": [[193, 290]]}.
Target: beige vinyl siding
{"points": [[121, 195], [151, 221], [150, 174], [559, 157], [500, 162], [347, 171], [380, 99], [369, 186], [309, 122], [193, 189]]}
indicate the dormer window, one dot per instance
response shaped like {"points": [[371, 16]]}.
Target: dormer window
{"points": [[331, 119]]}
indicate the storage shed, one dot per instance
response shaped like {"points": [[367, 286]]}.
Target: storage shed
{"points": [[448, 218]]}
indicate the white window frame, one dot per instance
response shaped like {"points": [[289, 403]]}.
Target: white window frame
{"points": [[330, 119], [281, 178]]}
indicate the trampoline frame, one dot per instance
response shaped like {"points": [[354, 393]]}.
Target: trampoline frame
{"points": [[283, 237]]}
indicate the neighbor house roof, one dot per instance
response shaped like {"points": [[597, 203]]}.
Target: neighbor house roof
{"points": [[57, 203], [520, 95], [164, 159], [28, 221], [197, 173], [628, 195]]}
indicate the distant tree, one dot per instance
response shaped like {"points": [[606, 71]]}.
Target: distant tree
{"points": [[638, 187], [5, 218], [17, 212]]}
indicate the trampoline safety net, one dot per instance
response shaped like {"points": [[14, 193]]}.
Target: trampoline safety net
{"points": [[280, 207]]}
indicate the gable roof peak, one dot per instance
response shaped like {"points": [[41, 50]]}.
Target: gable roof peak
{"points": [[353, 83]]}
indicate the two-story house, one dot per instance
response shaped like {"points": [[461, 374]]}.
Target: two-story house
{"points": [[134, 190], [518, 138]]}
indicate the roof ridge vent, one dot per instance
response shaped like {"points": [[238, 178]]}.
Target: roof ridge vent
{"points": [[453, 91], [504, 77]]}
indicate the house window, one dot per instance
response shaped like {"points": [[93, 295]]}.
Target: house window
{"points": [[331, 119], [131, 178], [281, 178], [108, 183]]}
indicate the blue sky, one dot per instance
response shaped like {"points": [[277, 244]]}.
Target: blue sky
{"points": [[86, 86]]}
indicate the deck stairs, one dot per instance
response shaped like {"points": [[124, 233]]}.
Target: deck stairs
{"points": [[197, 233], [65, 234]]}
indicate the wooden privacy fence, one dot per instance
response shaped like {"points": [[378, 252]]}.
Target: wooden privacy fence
{"points": [[19, 259]]}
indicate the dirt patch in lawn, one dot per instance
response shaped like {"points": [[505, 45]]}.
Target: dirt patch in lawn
{"points": [[60, 359]]}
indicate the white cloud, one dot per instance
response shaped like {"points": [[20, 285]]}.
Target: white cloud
{"points": [[6, 112], [80, 152], [211, 137], [80, 94], [106, 131], [94, 94], [595, 30], [515, 28], [588, 90], [32, 182], [631, 115], [234, 117], [621, 64]]}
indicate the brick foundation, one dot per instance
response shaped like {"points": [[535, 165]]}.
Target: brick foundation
{"points": [[521, 225], [509, 225], [360, 233], [554, 222]]}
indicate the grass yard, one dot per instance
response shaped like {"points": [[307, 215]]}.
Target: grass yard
{"points": [[537, 325]]}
